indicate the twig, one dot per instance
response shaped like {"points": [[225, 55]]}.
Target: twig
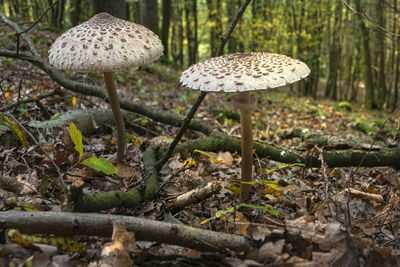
{"points": [[194, 196], [184, 168], [200, 98], [18, 34], [45, 95], [363, 15], [19, 92], [22, 33]]}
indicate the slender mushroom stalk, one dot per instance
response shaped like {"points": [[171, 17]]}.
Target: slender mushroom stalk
{"points": [[242, 73], [106, 44], [246, 105], [118, 119]]}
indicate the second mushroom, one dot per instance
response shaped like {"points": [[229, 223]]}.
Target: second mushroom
{"points": [[242, 73]]}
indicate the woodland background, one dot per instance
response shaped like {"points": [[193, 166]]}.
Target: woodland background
{"points": [[351, 47]]}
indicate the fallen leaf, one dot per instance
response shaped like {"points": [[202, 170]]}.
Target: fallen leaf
{"points": [[124, 170]]}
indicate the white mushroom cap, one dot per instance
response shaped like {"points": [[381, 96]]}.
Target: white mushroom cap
{"points": [[105, 43], [244, 72]]}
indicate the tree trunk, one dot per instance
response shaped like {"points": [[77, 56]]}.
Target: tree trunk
{"points": [[149, 14], [136, 11], [396, 83], [369, 97], [230, 9], [166, 19], [76, 9], [115, 7], [380, 45], [191, 30], [334, 55], [214, 16]]}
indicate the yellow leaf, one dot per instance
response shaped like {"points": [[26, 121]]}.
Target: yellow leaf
{"points": [[138, 142], [76, 137], [73, 102], [17, 130], [189, 163], [61, 242]]}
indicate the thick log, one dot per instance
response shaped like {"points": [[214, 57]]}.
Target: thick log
{"points": [[346, 158], [67, 224], [326, 141]]}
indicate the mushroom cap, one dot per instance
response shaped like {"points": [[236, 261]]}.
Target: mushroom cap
{"points": [[105, 43], [244, 72]]}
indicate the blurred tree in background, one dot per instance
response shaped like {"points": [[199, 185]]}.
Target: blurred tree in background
{"points": [[351, 46]]}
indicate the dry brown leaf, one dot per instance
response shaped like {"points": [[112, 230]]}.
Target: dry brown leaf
{"points": [[117, 252], [389, 211], [225, 158], [124, 170]]}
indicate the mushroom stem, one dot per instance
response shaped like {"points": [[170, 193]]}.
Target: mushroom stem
{"points": [[245, 104], [119, 122]]}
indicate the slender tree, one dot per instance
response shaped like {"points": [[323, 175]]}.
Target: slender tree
{"points": [[166, 19], [369, 97], [149, 15]]}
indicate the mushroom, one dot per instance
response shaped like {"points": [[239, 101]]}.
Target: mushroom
{"points": [[242, 73], [106, 44]]}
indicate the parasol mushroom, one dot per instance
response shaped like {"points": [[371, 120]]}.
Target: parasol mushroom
{"points": [[242, 73], [106, 44]]}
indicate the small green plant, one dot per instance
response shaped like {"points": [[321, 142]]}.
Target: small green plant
{"points": [[345, 105], [98, 164]]}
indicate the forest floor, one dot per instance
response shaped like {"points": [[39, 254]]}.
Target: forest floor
{"points": [[312, 199]]}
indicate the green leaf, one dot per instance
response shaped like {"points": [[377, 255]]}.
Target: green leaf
{"points": [[101, 165], [76, 137]]}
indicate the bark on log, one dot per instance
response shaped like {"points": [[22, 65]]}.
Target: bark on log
{"points": [[347, 158], [65, 223], [325, 140]]}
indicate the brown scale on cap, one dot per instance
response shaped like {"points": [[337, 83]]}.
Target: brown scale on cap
{"points": [[110, 38]]}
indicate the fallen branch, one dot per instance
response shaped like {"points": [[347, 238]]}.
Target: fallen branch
{"points": [[65, 223], [19, 32], [32, 99], [346, 158], [194, 196]]}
